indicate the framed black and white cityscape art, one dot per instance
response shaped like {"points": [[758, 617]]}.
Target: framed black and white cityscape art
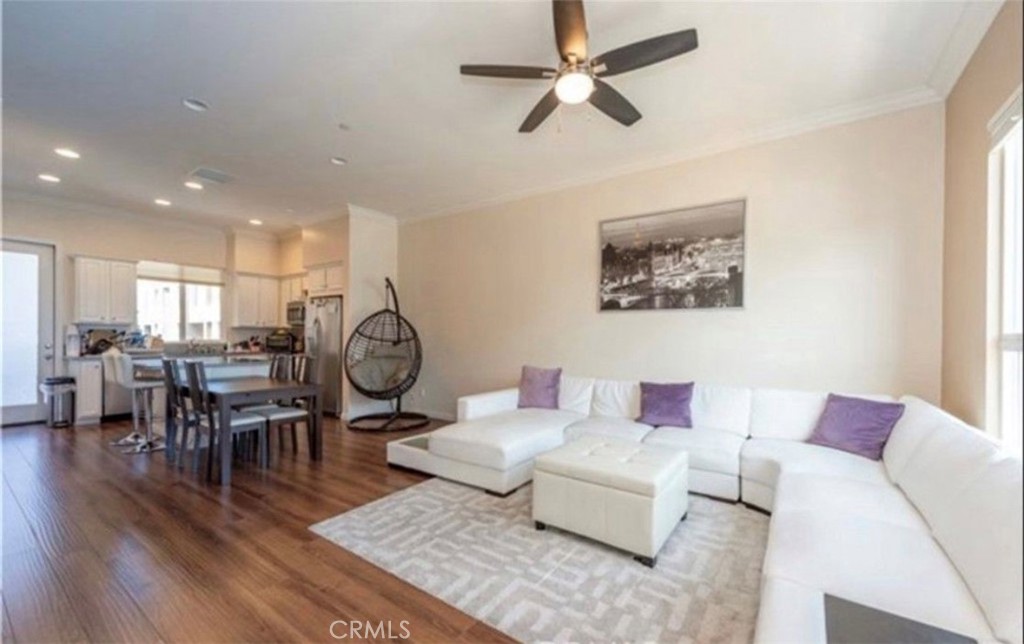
{"points": [[691, 258]]}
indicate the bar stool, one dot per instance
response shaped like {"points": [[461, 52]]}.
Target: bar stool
{"points": [[142, 408]]}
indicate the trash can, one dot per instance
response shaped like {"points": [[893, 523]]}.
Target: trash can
{"points": [[59, 396]]}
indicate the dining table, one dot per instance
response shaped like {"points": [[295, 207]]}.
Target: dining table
{"points": [[234, 392]]}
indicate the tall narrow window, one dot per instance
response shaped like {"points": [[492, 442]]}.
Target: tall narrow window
{"points": [[1012, 400], [1008, 200]]}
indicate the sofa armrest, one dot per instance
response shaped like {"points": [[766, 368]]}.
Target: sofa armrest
{"points": [[487, 404]]}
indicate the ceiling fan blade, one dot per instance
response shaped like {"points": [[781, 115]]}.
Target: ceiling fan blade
{"points": [[540, 111], [646, 52], [615, 105], [570, 29], [508, 71]]}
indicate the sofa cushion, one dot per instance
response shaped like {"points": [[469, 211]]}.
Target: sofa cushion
{"points": [[802, 491], [538, 388], [620, 465], [983, 538], [790, 612], [616, 399], [620, 428], [783, 413], [762, 459], [726, 409], [502, 440], [575, 394], [885, 566], [665, 404], [710, 450], [919, 420], [947, 460], [789, 414]]}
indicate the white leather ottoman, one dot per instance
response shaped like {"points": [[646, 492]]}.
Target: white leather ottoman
{"points": [[625, 494]]}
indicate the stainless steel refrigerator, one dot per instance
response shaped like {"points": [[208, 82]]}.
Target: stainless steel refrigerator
{"points": [[324, 343]]}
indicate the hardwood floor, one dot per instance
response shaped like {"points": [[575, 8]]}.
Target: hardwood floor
{"points": [[104, 547]]}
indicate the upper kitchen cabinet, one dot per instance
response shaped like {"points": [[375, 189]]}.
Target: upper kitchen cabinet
{"points": [[329, 278], [256, 301], [104, 291]]}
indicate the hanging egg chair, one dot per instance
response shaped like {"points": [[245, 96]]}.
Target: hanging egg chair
{"points": [[383, 357]]}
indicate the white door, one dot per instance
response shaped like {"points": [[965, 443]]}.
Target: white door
{"points": [[27, 337]]}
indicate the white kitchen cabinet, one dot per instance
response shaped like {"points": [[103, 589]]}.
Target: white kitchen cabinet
{"points": [[326, 278], [122, 292], [88, 375], [256, 301], [269, 296], [104, 291]]}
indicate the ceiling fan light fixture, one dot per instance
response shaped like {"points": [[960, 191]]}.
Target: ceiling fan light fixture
{"points": [[574, 87]]}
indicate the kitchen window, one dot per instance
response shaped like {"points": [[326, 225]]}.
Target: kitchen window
{"points": [[1007, 195], [178, 302]]}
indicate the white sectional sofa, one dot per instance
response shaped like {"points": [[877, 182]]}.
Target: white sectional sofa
{"points": [[932, 532]]}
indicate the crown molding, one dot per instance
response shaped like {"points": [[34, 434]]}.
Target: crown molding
{"points": [[820, 120], [362, 212], [974, 22], [12, 195]]}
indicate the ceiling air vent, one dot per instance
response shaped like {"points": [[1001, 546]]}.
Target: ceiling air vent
{"points": [[211, 175]]}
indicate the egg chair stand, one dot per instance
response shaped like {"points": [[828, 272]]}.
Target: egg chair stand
{"points": [[383, 357]]}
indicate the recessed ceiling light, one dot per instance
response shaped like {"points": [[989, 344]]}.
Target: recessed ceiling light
{"points": [[256, 222], [195, 104], [49, 178], [338, 161], [161, 202], [67, 153], [193, 185]]}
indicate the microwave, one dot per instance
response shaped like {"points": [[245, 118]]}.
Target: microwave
{"points": [[297, 313]]}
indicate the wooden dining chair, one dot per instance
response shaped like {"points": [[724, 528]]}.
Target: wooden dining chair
{"points": [[207, 417]]}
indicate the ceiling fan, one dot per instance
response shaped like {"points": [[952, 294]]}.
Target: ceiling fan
{"points": [[578, 78]]}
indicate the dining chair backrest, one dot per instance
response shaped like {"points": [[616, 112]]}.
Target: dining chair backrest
{"points": [[172, 382], [197, 386], [305, 369]]}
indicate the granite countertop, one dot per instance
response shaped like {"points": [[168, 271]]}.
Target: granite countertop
{"points": [[211, 361]]}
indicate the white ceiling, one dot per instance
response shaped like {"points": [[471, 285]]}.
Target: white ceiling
{"points": [[107, 79]]}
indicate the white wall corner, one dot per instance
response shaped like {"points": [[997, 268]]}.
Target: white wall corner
{"points": [[970, 29]]}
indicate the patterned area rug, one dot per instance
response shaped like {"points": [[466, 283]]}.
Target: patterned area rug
{"points": [[482, 555]]}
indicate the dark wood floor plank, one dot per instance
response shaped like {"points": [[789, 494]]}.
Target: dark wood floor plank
{"points": [[132, 549], [37, 602]]}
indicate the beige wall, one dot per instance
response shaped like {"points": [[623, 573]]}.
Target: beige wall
{"points": [[291, 254], [992, 75], [76, 229], [843, 286]]}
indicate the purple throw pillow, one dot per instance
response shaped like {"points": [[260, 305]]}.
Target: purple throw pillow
{"points": [[665, 404], [856, 425], [538, 388]]}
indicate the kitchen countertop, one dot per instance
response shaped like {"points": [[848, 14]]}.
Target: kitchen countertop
{"points": [[211, 361]]}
